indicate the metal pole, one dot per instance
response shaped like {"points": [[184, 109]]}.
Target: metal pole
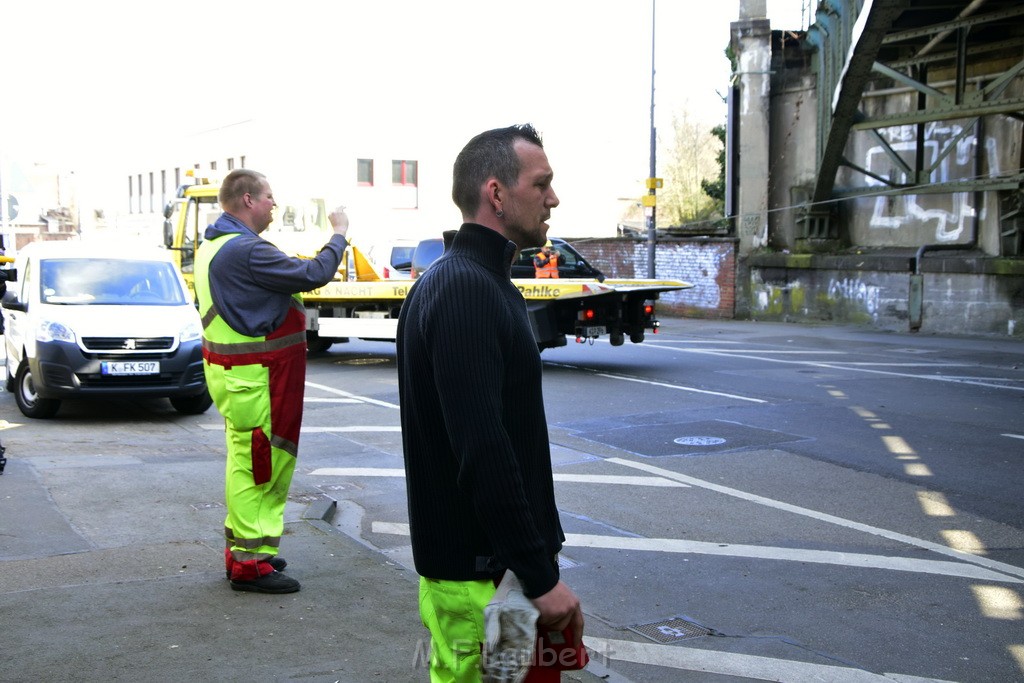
{"points": [[652, 209]]}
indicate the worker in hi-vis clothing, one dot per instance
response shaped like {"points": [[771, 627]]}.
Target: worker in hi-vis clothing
{"points": [[545, 262], [254, 352]]}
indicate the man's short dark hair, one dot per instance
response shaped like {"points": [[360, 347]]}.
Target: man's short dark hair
{"points": [[490, 154], [237, 183]]}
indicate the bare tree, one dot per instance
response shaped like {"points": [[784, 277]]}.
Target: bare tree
{"points": [[692, 163]]}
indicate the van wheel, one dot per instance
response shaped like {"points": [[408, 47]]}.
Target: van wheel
{"points": [[192, 405], [29, 402]]}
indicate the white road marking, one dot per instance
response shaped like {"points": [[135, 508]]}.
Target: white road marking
{"points": [[558, 476], [352, 428], [1015, 436], [617, 479], [852, 367], [858, 560], [793, 352], [681, 388], [995, 566], [731, 664], [307, 399], [392, 528], [680, 546], [359, 472], [339, 392], [326, 430]]}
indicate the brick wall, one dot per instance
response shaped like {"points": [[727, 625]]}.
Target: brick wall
{"points": [[708, 264]]}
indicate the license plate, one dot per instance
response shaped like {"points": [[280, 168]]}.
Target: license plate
{"points": [[596, 331], [138, 367]]}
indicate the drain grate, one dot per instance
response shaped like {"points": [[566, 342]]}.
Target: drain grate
{"points": [[671, 630], [565, 563]]}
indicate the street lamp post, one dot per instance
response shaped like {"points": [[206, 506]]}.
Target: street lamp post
{"points": [[650, 200]]}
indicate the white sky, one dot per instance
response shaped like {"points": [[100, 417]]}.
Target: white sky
{"points": [[86, 81]]}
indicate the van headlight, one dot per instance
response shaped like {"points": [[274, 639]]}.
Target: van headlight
{"points": [[50, 331], [190, 332]]}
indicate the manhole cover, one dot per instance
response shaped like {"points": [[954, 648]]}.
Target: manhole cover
{"points": [[656, 438], [361, 361], [671, 631], [699, 441]]}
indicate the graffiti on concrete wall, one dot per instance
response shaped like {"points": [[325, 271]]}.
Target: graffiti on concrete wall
{"points": [[946, 215], [845, 298], [855, 290]]}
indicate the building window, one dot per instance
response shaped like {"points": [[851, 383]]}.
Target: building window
{"points": [[177, 179], [403, 172], [152, 191], [364, 171], [231, 164], [138, 179], [163, 187], [131, 195], [241, 161]]}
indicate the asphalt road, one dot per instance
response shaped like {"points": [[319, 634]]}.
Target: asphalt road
{"points": [[742, 501]]}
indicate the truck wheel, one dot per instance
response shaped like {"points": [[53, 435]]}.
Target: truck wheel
{"points": [[317, 344], [192, 405], [29, 402], [636, 337], [616, 338]]}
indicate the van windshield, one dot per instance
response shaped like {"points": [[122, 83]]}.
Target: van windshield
{"points": [[109, 282]]}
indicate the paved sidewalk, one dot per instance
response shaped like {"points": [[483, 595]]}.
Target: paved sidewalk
{"points": [[164, 612]]}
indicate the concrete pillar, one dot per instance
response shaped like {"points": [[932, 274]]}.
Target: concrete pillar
{"points": [[751, 44]]}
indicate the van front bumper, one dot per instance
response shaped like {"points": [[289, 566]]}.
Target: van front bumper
{"points": [[64, 370]]}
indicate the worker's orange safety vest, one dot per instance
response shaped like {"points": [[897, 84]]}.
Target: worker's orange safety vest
{"points": [[549, 269]]}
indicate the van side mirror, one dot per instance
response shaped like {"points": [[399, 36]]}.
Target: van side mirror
{"points": [[11, 303]]}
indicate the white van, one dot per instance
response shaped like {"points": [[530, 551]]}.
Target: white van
{"points": [[85, 320]]}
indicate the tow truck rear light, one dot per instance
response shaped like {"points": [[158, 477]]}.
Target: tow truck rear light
{"points": [[588, 314], [648, 309]]}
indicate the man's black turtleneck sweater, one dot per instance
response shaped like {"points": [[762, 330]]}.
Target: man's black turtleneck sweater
{"points": [[477, 460]]}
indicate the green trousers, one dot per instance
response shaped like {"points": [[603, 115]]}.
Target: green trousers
{"points": [[453, 612]]}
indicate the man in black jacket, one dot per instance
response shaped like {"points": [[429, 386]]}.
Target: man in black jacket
{"points": [[477, 458]]}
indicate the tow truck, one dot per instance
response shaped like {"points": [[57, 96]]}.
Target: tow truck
{"points": [[361, 303]]}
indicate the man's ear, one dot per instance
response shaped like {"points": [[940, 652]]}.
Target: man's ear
{"points": [[494, 192]]}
